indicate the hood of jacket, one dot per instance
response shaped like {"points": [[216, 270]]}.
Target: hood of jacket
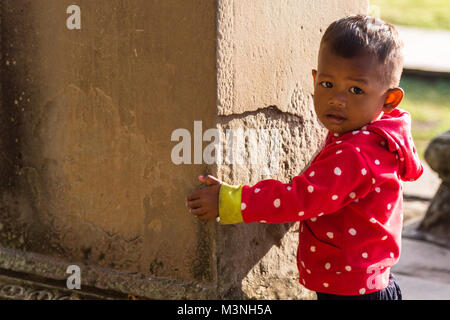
{"points": [[395, 128]]}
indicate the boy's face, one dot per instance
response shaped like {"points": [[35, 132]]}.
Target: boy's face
{"points": [[349, 92]]}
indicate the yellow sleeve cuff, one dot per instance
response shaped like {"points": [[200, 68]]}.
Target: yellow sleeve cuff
{"points": [[230, 204]]}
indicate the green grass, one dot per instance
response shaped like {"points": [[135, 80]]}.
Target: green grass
{"points": [[433, 14], [428, 101]]}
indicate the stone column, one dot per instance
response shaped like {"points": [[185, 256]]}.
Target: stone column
{"points": [[89, 126], [435, 226]]}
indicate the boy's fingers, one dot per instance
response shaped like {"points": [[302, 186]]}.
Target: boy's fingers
{"points": [[194, 203], [198, 211], [193, 196], [209, 180], [206, 216]]}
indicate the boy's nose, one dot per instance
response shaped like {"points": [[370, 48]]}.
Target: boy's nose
{"points": [[337, 100]]}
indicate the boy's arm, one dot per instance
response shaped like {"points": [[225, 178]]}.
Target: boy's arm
{"points": [[230, 204], [337, 177]]}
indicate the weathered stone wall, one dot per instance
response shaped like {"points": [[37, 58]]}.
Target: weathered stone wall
{"points": [[266, 51], [86, 121]]}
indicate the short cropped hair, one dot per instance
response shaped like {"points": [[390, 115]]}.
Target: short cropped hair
{"points": [[358, 34]]}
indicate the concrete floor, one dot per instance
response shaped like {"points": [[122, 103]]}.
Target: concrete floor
{"points": [[423, 271], [424, 267], [426, 50]]}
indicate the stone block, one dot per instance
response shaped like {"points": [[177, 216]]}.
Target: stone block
{"points": [[86, 123]]}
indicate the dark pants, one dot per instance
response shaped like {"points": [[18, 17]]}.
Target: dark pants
{"points": [[391, 292]]}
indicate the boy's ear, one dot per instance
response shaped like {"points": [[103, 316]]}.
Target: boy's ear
{"points": [[393, 98]]}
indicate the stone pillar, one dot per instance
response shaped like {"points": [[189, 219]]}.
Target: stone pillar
{"points": [[87, 124], [435, 226]]}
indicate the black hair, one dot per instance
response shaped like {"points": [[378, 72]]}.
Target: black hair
{"points": [[358, 34]]}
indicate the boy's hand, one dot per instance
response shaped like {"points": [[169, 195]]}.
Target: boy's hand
{"points": [[204, 203]]}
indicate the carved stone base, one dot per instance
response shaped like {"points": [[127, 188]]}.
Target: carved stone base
{"points": [[19, 289], [25, 275]]}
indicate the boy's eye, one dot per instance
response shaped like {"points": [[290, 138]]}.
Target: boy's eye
{"points": [[356, 90], [326, 84]]}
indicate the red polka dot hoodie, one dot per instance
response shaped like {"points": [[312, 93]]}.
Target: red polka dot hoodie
{"points": [[348, 202]]}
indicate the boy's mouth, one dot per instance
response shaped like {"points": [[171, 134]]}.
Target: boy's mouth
{"points": [[335, 118]]}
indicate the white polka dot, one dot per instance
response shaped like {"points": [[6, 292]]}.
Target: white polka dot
{"points": [[377, 189], [312, 174], [373, 181], [327, 266], [289, 188], [337, 142], [352, 195], [352, 231], [358, 149], [364, 172], [355, 132], [389, 206], [384, 238], [325, 285], [334, 197], [391, 255], [302, 263], [263, 221], [313, 219], [310, 189], [377, 162], [364, 128], [309, 271], [330, 235], [243, 206], [348, 268], [336, 134], [257, 190], [373, 220], [312, 248], [321, 214], [301, 213], [339, 151], [337, 171], [362, 291], [364, 255], [277, 203], [366, 132]]}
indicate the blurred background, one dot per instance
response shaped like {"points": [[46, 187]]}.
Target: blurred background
{"points": [[424, 26]]}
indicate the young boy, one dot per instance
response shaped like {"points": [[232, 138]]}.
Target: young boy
{"points": [[349, 200]]}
